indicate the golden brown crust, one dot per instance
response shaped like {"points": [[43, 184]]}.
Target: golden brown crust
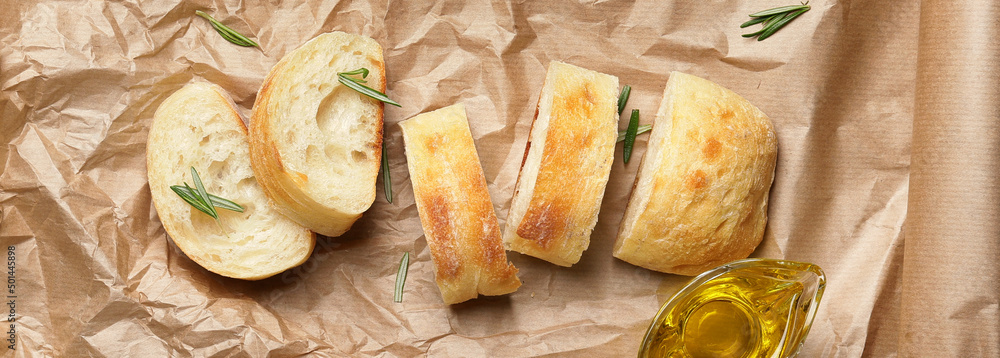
{"points": [[700, 198], [575, 113], [455, 208], [440, 238], [572, 168]]}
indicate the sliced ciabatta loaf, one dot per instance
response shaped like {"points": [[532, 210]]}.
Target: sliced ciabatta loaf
{"points": [[568, 162], [700, 197], [455, 208], [198, 126], [316, 144]]}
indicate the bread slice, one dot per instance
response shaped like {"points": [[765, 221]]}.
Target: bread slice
{"points": [[455, 208], [700, 198], [316, 144], [568, 161], [198, 126]]}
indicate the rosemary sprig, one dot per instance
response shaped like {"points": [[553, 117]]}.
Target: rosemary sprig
{"points": [[386, 178], [774, 19], [642, 129], [226, 32], [202, 200], [218, 202], [356, 84], [623, 98], [404, 264], [630, 133]]}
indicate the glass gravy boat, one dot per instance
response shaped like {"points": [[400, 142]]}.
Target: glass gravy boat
{"points": [[747, 308]]}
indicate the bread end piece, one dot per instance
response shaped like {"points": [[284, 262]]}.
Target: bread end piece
{"points": [[700, 197], [568, 162], [454, 205], [316, 144], [198, 126]]}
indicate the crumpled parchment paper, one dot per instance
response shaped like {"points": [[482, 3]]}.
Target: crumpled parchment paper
{"points": [[885, 112]]}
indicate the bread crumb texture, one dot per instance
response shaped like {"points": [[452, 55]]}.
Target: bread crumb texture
{"points": [[316, 144], [198, 126]]}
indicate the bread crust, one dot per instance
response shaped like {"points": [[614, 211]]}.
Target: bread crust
{"points": [[199, 126], [455, 208], [700, 197], [306, 125], [567, 165]]}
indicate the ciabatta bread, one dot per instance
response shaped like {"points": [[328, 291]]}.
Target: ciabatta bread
{"points": [[700, 198], [568, 162], [455, 208], [198, 126], [316, 144]]}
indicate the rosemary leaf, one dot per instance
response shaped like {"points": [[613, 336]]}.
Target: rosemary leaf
{"points": [[767, 24], [226, 32], [354, 84], [202, 194], [772, 19], [200, 199], [404, 264], [386, 178], [229, 37], [361, 71], [780, 10], [240, 39], [642, 129], [224, 203], [185, 193], [623, 98], [217, 201], [630, 133], [754, 21], [778, 24]]}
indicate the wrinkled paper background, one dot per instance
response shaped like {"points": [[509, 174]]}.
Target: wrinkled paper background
{"points": [[889, 154]]}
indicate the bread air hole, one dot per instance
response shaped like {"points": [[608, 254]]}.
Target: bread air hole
{"points": [[344, 48], [217, 170], [246, 187], [359, 156], [311, 153], [330, 113], [356, 128]]}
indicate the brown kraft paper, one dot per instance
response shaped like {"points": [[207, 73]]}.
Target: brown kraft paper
{"points": [[909, 250]]}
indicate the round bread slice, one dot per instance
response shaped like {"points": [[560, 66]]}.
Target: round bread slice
{"points": [[316, 144], [198, 126]]}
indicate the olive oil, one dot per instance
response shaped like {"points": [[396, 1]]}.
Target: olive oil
{"points": [[749, 308]]}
